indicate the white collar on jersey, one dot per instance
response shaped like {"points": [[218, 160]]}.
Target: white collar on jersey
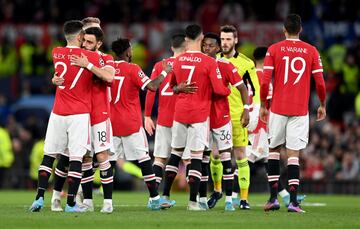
{"points": [[259, 69], [193, 51], [292, 39], [119, 61], [73, 47]]}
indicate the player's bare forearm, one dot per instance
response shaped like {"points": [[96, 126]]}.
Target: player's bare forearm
{"points": [[244, 93], [155, 83], [104, 74], [245, 118]]}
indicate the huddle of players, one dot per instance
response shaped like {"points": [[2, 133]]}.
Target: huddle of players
{"points": [[199, 113]]}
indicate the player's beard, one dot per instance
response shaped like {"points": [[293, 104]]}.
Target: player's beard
{"points": [[230, 49]]}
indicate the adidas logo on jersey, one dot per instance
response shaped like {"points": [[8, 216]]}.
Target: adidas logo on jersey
{"points": [[102, 144]]}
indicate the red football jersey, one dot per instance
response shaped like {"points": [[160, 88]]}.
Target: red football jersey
{"points": [[194, 66], [100, 111], [126, 116], [74, 95], [220, 111], [293, 62], [167, 97]]}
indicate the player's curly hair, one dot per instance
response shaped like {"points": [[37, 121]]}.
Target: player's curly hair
{"points": [[120, 45], [213, 36]]}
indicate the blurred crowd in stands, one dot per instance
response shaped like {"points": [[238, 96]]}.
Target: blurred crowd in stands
{"points": [[333, 153]]}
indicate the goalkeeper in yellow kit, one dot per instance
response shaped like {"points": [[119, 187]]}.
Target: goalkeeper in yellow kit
{"points": [[246, 68]]}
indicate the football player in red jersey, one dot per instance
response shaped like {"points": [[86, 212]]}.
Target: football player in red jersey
{"points": [[220, 122], [166, 106], [290, 63], [68, 127], [192, 111], [130, 140], [100, 129]]}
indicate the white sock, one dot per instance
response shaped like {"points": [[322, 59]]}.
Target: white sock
{"points": [[155, 198], [228, 199], [203, 199], [234, 195], [56, 195], [88, 202], [108, 201], [283, 193]]}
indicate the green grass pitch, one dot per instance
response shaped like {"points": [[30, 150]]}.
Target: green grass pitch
{"points": [[322, 211]]}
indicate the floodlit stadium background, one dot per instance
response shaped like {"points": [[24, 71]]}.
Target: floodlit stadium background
{"points": [[28, 32]]}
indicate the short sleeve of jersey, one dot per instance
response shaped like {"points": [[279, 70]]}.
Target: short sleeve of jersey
{"points": [[94, 58], [234, 78], [108, 61], [269, 59], [316, 64], [139, 77]]}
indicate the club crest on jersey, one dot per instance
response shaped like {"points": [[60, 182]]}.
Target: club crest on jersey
{"points": [[141, 74], [218, 74], [101, 62]]}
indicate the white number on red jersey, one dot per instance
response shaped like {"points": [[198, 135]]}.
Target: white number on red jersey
{"points": [[121, 82], [164, 91], [291, 63], [64, 72], [192, 69]]}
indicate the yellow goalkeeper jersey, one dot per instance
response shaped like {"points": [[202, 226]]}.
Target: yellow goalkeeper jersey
{"points": [[243, 65]]}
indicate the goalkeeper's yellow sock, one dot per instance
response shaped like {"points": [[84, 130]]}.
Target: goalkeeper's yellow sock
{"points": [[216, 169], [132, 169], [244, 177]]}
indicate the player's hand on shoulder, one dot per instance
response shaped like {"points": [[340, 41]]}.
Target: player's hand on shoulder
{"points": [[149, 125], [81, 61], [166, 67], [321, 113], [56, 80]]}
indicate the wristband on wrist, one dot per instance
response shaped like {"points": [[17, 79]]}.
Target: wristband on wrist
{"points": [[164, 73], [89, 66], [246, 107]]}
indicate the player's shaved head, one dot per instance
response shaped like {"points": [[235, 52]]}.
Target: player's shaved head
{"points": [[229, 29], [97, 32], [72, 28], [193, 31], [292, 24], [259, 53]]}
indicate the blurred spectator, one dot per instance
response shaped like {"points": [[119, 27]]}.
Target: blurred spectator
{"points": [[350, 168], [8, 60], [231, 13], [207, 16], [336, 54], [6, 154]]}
